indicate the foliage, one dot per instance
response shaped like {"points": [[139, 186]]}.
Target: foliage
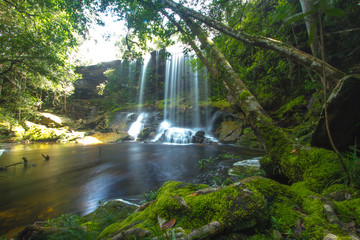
{"points": [[36, 39], [204, 162], [152, 195], [145, 27], [352, 164], [122, 85]]}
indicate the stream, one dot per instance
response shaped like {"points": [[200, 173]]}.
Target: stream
{"points": [[77, 177]]}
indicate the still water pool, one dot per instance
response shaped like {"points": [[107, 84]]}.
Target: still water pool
{"points": [[77, 177]]}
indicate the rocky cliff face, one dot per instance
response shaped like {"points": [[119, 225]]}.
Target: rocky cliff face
{"points": [[92, 76]]}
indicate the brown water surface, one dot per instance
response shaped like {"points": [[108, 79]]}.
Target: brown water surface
{"points": [[77, 177]]}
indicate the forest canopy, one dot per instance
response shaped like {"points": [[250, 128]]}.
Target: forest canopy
{"points": [[36, 39]]}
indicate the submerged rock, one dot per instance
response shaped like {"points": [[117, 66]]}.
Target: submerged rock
{"points": [[199, 137]]}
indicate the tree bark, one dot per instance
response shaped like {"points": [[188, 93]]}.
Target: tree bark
{"points": [[306, 6], [332, 74]]}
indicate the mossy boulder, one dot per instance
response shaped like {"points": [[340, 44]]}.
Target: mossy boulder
{"points": [[36, 132], [235, 132], [229, 131], [193, 206], [52, 120], [316, 166]]}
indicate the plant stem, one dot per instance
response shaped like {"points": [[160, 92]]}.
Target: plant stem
{"points": [[323, 78]]}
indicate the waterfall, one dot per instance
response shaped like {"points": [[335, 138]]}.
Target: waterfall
{"points": [[139, 124], [184, 89], [143, 82]]}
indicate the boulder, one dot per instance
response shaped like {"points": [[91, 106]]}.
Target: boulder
{"points": [[199, 137], [235, 132], [52, 120], [343, 116], [229, 131], [235, 207], [145, 133]]}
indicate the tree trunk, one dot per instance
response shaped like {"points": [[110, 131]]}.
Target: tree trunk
{"points": [[332, 74], [273, 138], [286, 161], [307, 6]]}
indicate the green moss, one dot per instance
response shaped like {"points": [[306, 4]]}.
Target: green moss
{"points": [[42, 133], [91, 226], [317, 167], [108, 231], [179, 188], [220, 104], [281, 201], [160, 105], [235, 206], [313, 216], [259, 237], [274, 191], [348, 211], [244, 95], [287, 216], [301, 190], [291, 106]]}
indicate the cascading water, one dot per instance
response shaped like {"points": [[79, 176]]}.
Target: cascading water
{"points": [[139, 124], [182, 122]]}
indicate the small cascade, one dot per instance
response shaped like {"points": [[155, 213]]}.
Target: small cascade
{"points": [[143, 82], [139, 124]]}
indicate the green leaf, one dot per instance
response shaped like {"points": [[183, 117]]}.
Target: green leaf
{"points": [[298, 17], [334, 12], [312, 33]]}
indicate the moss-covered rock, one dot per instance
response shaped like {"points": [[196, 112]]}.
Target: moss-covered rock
{"points": [[235, 132], [349, 210], [192, 206], [314, 218], [36, 132], [316, 166], [230, 131]]}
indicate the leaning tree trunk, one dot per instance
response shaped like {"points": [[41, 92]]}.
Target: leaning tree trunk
{"points": [[285, 158], [273, 138], [332, 74]]}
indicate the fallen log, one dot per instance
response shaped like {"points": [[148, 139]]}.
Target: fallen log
{"points": [[25, 162], [14, 164]]}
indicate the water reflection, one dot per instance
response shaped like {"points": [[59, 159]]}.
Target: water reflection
{"points": [[77, 176]]}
